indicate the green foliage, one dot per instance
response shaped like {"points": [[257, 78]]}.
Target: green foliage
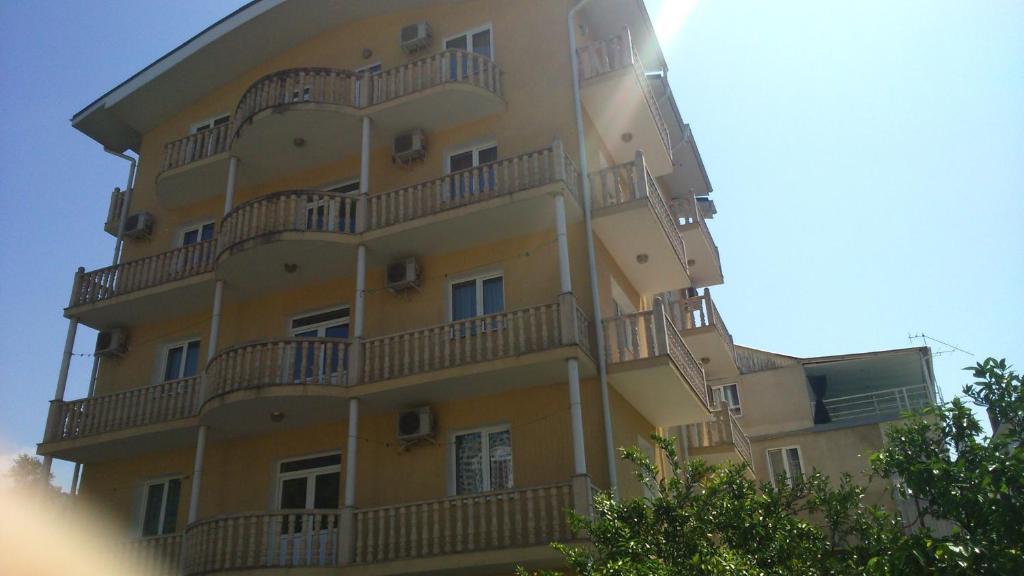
{"points": [[715, 520], [27, 472]]}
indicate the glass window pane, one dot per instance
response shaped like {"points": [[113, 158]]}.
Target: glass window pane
{"points": [[310, 463], [151, 515], [171, 508], [191, 360], [221, 120], [464, 300], [326, 489], [459, 42], [494, 295], [482, 43], [488, 155], [319, 318], [776, 467], [293, 494], [469, 473], [172, 367], [190, 237], [461, 161], [499, 445], [207, 231], [793, 456]]}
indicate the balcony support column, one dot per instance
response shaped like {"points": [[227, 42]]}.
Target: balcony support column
{"points": [[595, 293], [564, 274], [58, 395], [364, 176], [197, 475], [229, 190], [358, 320], [348, 532], [77, 476]]}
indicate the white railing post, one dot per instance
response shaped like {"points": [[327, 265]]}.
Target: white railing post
{"points": [[660, 328], [640, 176]]}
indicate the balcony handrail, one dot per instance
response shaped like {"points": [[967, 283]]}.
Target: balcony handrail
{"points": [[527, 516], [684, 359], [196, 146], [158, 555], [614, 54], [278, 362], [357, 90], [462, 342], [147, 272], [723, 429], [890, 400], [142, 406], [700, 312], [301, 210], [631, 181], [479, 183]]}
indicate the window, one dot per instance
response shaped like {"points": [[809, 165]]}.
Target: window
{"points": [[319, 213], [477, 296], [209, 123], [308, 483], [730, 394], [327, 324], [181, 361], [482, 460], [785, 462], [477, 41], [365, 74], [460, 164], [160, 507], [198, 233]]}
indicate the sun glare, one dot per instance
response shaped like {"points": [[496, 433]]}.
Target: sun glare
{"points": [[669, 17]]}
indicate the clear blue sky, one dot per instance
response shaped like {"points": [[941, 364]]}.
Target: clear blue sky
{"points": [[867, 159]]}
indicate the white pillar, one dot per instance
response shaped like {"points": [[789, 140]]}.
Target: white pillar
{"points": [[579, 456], [564, 275], [348, 532], [362, 219], [229, 191], [218, 300], [62, 383], [197, 476]]}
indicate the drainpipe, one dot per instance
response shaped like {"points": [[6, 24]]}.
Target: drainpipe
{"points": [[595, 293], [125, 201]]}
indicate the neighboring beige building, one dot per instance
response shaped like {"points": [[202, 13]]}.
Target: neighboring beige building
{"points": [[360, 314]]}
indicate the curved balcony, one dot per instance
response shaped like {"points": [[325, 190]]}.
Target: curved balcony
{"points": [[122, 422], [287, 238], [175, 282], [294, 119], [194, 167], [302, 378]]}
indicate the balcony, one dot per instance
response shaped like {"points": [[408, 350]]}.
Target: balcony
{"points": [[475, 530], [890, 403], [652, 367], [622, 104], [705, 264], [704, 332], [718, 439], [194, 167], [173, 283], [146, 418], [635, 223]]}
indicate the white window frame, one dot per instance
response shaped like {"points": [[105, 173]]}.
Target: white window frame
{"points": [[165, 356], [469, 39], [166, 480], [195, 128], [479, 277], [486, 456], [319, 325], [474, 148], [309, 473], [736, 410], [785, 462], [197, 227]]}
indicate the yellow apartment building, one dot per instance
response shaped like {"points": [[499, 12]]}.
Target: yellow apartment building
{"points": [[392, 282]]}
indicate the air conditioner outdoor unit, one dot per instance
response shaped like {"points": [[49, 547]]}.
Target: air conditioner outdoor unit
{"points": [[410, 146], [415, 37], [112, 343], [403, 274], [415, 424], [138, 226]]}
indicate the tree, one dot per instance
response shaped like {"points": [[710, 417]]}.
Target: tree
{"points": [[954, 473], [27, 472], [715, 520]]}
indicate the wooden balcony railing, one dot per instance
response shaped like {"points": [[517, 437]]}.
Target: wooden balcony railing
{"points": [[475, 522], [617, 53], [157, 555], [480, 339], [698, 312], [282, 362], [195, 147], [289, 211], [650, 334], [890, 402], [144, 406], [477, 184], [346, 88], [281, 539], [722, 430], [177, 264], [631, 182]]}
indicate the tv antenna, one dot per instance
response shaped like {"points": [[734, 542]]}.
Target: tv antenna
{"points": [[949, 348]]}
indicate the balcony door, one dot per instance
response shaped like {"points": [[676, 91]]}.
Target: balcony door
{"points": [[308, 484], [464, 183], [326, 362], [476, 41]]}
